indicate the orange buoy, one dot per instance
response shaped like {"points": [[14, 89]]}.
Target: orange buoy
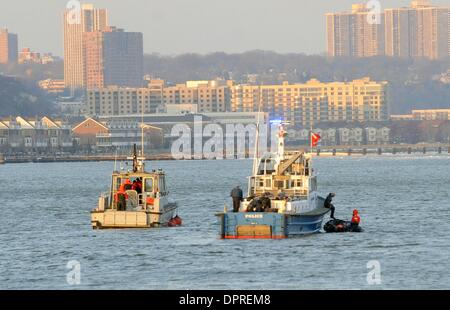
{"points": [[178, 221], [172, 223]]}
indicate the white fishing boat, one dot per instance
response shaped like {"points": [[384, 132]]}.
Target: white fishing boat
{"points": [[137, 199]]}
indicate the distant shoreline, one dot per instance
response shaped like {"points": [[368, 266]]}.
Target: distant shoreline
{"points": [[168, 157]]}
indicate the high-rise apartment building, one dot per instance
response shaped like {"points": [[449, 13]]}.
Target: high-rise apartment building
{"points": [[340, 34], [113, 57], [433, 32], [359, 33], [401, 37], [368, 32], [315, 102], [9, 49], [76, 23], [421, 30]]}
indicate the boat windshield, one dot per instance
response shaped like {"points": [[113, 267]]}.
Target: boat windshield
{"points": [[266, 166]]}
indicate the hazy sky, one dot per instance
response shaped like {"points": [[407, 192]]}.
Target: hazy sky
{"points": [[180, 26]]}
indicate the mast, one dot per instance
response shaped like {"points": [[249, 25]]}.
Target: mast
{"points": [[135, 159], [281, 134], [255, 156], [310, 164], [139, 162], [115, 161], [311, 150], [142, 129]]}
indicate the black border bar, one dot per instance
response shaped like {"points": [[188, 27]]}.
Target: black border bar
{"points": [[221, 299]]}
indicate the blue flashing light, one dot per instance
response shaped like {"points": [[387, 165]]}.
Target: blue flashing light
{"points": [[276, 121]]}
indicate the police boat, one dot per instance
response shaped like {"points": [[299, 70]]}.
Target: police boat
{"points": [[282, 200]]}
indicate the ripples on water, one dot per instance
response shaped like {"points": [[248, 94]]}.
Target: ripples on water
{"points": [[404, 204]]}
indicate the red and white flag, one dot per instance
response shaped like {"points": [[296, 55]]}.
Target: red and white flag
{"points": [[315, 138]]}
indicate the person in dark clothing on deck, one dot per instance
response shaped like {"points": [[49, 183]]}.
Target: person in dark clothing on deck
{"points": [[237, 196], [137, 186], [327, 204]]}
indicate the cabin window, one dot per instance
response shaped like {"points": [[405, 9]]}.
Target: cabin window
{"points": [[268, 183], [252, 184], [148, 185], [261, 183], [159, 189], [162, 185], [299, 183], [279, 184]]}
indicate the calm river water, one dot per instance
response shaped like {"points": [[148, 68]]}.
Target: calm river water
{"points": [[403, 200]]}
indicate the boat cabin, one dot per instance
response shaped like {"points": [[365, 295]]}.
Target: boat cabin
{"points": [[292, 177], [141, 197]]}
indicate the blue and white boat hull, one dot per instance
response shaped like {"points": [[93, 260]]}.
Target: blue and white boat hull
{"points": [[253, 225]]}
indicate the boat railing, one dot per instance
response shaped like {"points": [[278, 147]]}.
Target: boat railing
{"points": [[300, 193], [143, 200], [134, 201], [286, 192], [103, 202]]}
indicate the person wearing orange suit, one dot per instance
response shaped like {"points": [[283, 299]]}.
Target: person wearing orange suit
{"points": [[122, 196], [128, 185], [356, 219]]}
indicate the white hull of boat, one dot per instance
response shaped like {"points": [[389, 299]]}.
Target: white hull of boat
{"points": [[113, 219]]}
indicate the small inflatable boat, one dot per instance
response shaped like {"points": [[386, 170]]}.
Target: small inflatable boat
{"points": [[340, 226]]}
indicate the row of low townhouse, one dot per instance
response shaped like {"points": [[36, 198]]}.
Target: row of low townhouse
{"points": [[46, 135], [20, 134], [122, 132], [345, 136]]}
